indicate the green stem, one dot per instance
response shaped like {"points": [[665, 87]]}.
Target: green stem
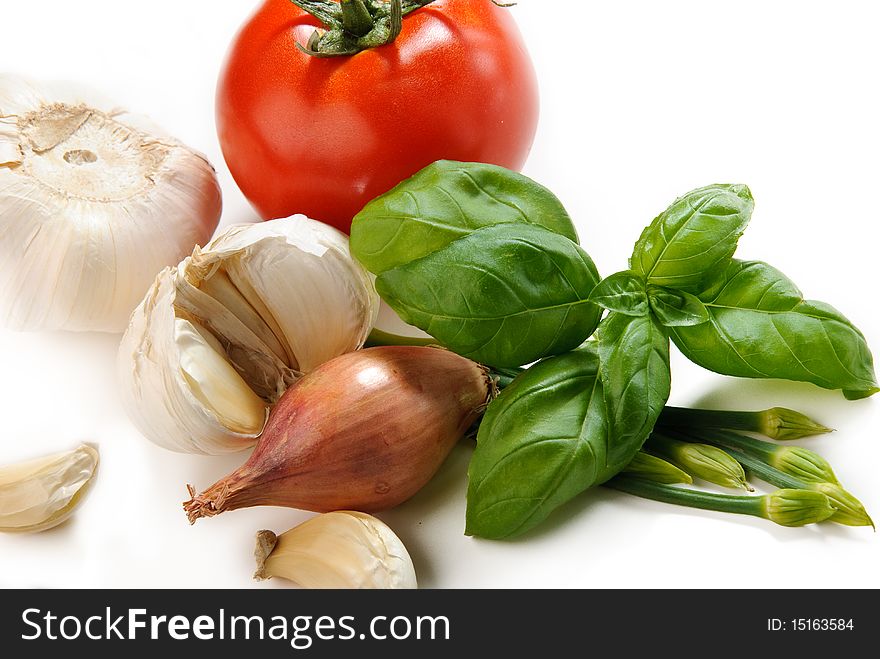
{"points": [[356, 19], [381, 338], [509, 373], [787, 507], [765, 472], [502, 380], [804, 464], [849, 510], [410, 6], [726, 439], [776, 423], [329, 13], [681, 416], [352, 26], [503, 376], [680, 496]]}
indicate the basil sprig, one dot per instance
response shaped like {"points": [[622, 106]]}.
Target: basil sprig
{"points": [[487, 262]]}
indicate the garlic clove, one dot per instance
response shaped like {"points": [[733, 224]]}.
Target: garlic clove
{"points": [[154, 389], [336, 550], [215, 383], [272, 300], [40, 494], [92, 204], [326, 300], [220, 288]]}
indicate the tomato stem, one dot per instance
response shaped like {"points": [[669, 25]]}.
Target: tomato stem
{"points": [[352, 26], [329, 13], [356, 19]]}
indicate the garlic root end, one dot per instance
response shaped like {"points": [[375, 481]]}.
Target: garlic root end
{"points": [[266, 541]]}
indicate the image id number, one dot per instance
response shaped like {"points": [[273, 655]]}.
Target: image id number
{"points": [[810, 624]]}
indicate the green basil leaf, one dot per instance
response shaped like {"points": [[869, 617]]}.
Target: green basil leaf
{"points": [[676, 308], [696, 235], [447, 201], [761, 327], [543, 441], [505, 295], [623, 292], [634, 356]]}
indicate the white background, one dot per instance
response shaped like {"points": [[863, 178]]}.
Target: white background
{"points": [[642, 101]]}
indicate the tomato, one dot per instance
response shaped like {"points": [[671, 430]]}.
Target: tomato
{"points": [[323, 136]]}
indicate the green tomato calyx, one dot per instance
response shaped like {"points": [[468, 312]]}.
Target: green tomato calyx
{"points": [[352, 26]]}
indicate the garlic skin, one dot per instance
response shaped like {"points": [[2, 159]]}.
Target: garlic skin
{"points": [[94, 201], [221, 337], [40, 494], [336, 550]]}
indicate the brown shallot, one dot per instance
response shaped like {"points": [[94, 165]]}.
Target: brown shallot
{"points": [[364, 431]]}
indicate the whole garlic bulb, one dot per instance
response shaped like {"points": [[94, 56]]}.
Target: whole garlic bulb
{"points": [[94, 201], [220, 337]]}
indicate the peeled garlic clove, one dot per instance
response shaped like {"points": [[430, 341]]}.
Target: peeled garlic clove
{"points": [[222, 336], [93, 203], [336, 550], [40, 494]]}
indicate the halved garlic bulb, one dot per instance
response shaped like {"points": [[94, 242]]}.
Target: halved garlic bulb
{"points": [[94, 201], [220, 337]]}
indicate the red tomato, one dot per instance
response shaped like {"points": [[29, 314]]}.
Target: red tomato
{"points": [[323, 136]]}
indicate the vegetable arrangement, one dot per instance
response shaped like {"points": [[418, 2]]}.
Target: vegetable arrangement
{"points": [[256, 338]]}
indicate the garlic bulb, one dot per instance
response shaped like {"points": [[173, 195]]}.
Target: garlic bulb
{"points": [[222, 336], [336, 550], [40, 494], [93, 203]]}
